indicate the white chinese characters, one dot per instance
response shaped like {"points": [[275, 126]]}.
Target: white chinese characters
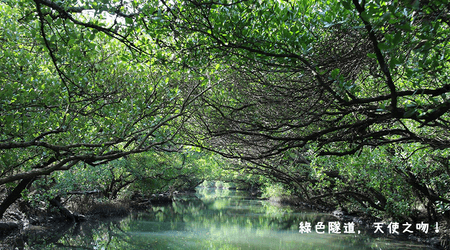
{"points": [[332, 227], [337, 227]]}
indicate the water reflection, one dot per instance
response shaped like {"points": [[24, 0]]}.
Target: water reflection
{"points": [[213, 219]]}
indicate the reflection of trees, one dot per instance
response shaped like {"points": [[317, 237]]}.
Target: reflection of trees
{"points": [[217, 209], [213, 222], [88, 235], [38, 236]]}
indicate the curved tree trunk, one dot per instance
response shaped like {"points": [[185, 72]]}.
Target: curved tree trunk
{"points": [[73, 217], [14, 195]]}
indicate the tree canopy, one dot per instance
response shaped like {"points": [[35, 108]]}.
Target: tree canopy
{"points": [[338, 75], [71, 94], [284, 85]]}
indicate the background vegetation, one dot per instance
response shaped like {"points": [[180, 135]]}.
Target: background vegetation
{"points": [[342, 103]]}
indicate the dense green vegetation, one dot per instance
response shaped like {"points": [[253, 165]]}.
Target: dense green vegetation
{"points": [[342, 103]]}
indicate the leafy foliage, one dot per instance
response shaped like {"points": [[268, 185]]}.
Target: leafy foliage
{"points": [[284, 88], [71, 94]]}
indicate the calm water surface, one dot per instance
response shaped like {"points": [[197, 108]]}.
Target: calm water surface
{"points": [[217, 219]]}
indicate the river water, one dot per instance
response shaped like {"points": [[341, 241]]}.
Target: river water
{"points": [[218, 219]]}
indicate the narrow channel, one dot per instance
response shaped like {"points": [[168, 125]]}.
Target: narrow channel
{"points": [[220, 219]]}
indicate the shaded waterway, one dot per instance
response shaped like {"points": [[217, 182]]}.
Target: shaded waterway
{"points": [[216, 219]]}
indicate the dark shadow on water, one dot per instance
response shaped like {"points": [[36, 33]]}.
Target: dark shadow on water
{"points": [[208, 219]]}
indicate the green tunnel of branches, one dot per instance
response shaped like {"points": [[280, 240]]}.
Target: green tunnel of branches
{"points": [[344, 103]]}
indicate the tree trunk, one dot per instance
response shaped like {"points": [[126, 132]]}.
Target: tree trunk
{"points": [[14, 195], [64, 211]]}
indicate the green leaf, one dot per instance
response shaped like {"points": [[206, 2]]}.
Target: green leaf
{"points": [[397, 38], [365, 16], [347, 5], [386, 16], [405, 27], [409, 113], [383, 46], [335, 73], [372, 55]]}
